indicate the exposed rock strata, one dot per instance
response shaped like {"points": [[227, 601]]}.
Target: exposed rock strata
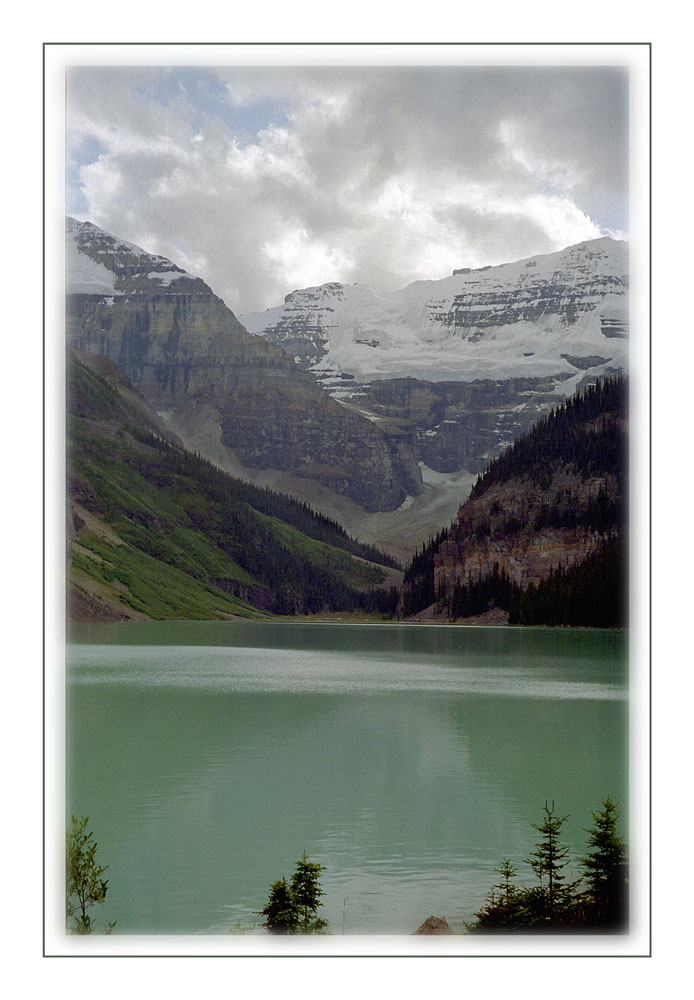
{"points": [[498, 529], [459, 425]]}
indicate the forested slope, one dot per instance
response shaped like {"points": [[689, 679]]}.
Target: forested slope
{"points": [[542, 538]]}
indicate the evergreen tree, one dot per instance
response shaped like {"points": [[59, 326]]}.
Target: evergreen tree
{"points": [[504, 908], [552, 900], [280, 911], [306, 893], [555, 903], [605, 870], [292, 907]]}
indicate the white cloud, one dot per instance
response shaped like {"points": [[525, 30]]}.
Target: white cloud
{"points": [[265, 180]]}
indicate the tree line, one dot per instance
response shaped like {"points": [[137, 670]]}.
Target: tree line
{"points": [[90, 396], [586, 434]]}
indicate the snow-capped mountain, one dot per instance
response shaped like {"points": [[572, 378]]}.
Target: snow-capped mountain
{"points": [[557, 314]]}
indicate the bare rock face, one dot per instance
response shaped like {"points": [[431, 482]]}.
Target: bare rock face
{"points": [[459, 425], [499, 528], [183, 349], [434, 925]]}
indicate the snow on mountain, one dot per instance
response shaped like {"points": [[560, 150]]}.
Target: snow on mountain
{"points": [[555, 314], [96, 262]]}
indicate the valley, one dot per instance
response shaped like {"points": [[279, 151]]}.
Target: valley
{"points": [[376, 413]]}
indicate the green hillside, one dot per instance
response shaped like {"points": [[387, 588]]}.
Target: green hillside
{"points": [[157, 532]]}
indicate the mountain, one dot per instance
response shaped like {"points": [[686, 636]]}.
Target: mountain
{"points": [[472, 360], [541, 539], [377, 409], [155, 531], [239, 400]]}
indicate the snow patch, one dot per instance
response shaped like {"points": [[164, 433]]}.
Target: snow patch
{"points": [[432, 478], [406, 504], [86, 276], [166, 277]]}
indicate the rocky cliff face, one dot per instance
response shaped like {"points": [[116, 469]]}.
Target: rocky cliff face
{"points": [[459, 425], [216, 384], [499, 529], [555, 498], [155, 532]]}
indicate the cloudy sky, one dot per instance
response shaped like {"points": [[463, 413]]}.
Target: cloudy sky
{"points": [[265, 179]]}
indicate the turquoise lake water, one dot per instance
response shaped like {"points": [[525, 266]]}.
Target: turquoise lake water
{"points": [[409, 760]]}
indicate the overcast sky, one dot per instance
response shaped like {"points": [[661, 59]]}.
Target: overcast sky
{"points": [[263, 180]]}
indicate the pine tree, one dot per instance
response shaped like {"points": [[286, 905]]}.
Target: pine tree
{"points": [[280, 911], [292, 907], [306, 893], [552, 901], [605, 870], [504, 908]]}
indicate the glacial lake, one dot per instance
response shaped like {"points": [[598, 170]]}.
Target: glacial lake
{"points": [[409, 760]]}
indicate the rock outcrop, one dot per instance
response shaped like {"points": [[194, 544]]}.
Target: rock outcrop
{"points": [[434, 925], [498, 529]]}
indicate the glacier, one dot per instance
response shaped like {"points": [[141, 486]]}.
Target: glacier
{"points": [[559, 314]]}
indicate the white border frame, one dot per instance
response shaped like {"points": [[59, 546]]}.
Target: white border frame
{"points": [[57, 57]]}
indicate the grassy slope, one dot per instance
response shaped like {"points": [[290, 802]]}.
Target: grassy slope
{"points": [[165, 535]]}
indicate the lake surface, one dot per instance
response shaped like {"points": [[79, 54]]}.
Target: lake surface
{"points": [[409, 760]]}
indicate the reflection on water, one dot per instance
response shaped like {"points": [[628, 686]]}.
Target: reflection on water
{"points": [[409, 761]]}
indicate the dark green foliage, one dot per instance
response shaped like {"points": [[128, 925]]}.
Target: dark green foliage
{"points": [[292, 908], [586, 432], [418, 582], [84, 883], [551, 901], [554, 902], [504, 909], [585, 436], [601, 514], [605, 871], [591, 594], [306, 892], [481, 594], [280, 912]]}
